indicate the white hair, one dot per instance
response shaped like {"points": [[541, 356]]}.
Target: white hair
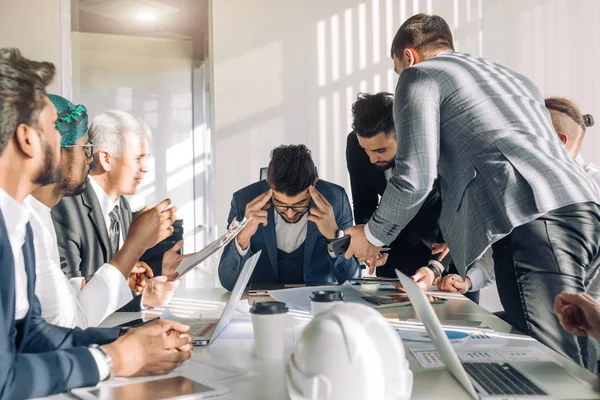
{"points": [[107, 132]]}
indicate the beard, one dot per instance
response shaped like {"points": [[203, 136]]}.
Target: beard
{"points": [[284, 217], [68, 187], [73, 189], [386, 166], [50, 172]]}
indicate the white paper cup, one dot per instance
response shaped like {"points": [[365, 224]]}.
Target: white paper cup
{"points": [[323, 300], [268, 324]]}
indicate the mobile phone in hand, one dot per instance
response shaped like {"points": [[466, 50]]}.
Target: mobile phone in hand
{"points": [[339, 246]]}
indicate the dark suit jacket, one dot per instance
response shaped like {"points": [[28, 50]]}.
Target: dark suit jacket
{"points": [[39, 359], [319, 267], [83, 241], [412, 248]]}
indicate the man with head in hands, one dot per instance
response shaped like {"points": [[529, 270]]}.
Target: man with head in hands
{"points": [[506, 181], [91, 227], [70, 305], [294, 218], [40, 359]]}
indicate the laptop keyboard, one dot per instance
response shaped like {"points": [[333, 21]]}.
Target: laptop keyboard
{"points": [[502, 379]]}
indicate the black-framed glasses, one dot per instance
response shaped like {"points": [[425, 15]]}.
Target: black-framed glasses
{"points": [[88, 148], [283, 209]]}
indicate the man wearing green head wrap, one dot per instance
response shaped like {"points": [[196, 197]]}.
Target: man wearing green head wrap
{"points": [[69, 304]]}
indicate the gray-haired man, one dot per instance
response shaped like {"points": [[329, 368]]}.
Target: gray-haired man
{"points": [[92, 226]]}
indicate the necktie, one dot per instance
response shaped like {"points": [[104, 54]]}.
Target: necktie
{"points": [[114, 230]]}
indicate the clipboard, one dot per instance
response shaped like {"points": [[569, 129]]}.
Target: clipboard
{"points": [[189, 263]]}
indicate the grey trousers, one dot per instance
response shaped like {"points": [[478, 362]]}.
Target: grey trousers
{"points": [[554, 253]]}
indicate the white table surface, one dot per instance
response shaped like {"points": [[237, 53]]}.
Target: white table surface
{"points": [[265, 380]]}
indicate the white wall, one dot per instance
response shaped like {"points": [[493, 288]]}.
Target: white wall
{"points": [[34, 26], [288, 72], [556, 43]]}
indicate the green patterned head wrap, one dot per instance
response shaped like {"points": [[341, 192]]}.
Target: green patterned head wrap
{"points": [[72, 120]]}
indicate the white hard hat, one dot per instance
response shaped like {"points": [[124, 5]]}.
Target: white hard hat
{"points": [[349, 352]]}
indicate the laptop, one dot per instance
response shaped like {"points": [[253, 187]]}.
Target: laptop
{"points": [[531, 379], [205, 331]]}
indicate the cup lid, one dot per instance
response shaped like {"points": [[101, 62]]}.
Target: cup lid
{"points": [[326, 296], [268, 307]]}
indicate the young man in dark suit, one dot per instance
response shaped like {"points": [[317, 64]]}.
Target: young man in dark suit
{"points": [[40, 359], [294, 217], [370, 156]]}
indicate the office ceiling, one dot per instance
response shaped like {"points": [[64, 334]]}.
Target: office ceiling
{"points": [[170, 19]]}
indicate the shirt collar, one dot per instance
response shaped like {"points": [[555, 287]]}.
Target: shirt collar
{"points": [[106, 203], [15, 215], [444, 52], [579, 159]]}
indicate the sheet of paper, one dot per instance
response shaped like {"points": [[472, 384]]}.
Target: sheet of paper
{"points": [[300, 297], [210, 371], [451, 323], [472, 338], [429, 358]]}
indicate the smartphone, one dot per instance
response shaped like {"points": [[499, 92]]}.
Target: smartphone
{"points": [[339, 246], [400, 299]]}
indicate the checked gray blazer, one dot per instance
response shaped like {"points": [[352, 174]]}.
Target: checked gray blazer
{"points": [[483, 131]]}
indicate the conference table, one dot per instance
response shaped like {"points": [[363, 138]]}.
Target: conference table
{"points": [[229, 362]]}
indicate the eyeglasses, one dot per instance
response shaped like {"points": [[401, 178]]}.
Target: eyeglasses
{"points": [[88, 148], [282, 208]]}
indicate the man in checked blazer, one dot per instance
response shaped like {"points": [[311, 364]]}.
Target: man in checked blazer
{"points": [[505, 179]]}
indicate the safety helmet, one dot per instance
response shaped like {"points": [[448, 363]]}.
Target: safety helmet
{"points": [[349, 352]]}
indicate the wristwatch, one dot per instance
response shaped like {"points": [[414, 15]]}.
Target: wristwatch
{"points": [[107, 358], [338, 235], [435, 271]]}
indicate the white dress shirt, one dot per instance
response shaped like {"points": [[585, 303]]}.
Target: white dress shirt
{"points": [[107, 205], [289, 236], [62, 303], [16, 217]]}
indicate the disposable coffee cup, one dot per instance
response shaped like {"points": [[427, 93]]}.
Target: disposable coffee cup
{"points": [[268, 323], [323, 300]]}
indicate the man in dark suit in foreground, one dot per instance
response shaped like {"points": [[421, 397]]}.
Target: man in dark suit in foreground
{"points": [[294, 217], [39, 359]]}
